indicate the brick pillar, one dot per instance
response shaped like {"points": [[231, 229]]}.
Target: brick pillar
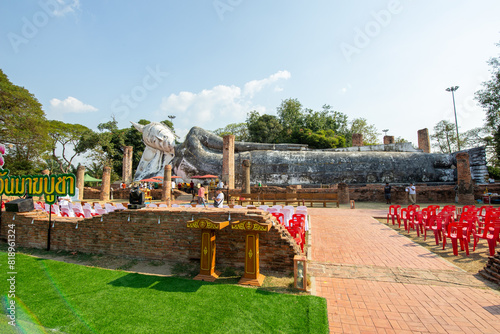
{"points": [[464, 180], [106, 184], [388, 140], [127, 164], [424, 142], [80, 177], [166, 190], [228, 161], [357, 139], [246, 172], [343, 189]]}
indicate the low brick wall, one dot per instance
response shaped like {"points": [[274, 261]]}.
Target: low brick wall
{"points": [[140, 236], [375, 192]]}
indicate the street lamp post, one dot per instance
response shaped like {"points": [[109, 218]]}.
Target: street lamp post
{"points": [[452, 90]]}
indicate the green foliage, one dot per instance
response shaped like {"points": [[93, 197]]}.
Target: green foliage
{"points": [[23, 128], [489, 99], [494, 172], [290, 117], [445, 137], [369, 132], [109, 147], [321, 139], [239, 130], [263, 128], [318, 129], [74, 138], [400, 140]]}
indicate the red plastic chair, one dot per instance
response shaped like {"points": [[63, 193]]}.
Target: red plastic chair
{"points": [[406, 214], [457, 232], [468, 207], [417, 222], [280, 217], [491, 215], [470, 217], [490, 234], [394, 212], [298, 218], [438, 224], [483, 211]]}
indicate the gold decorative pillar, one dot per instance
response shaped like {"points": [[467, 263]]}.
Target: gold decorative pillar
{"points": [[252, 275], [207, 259]]}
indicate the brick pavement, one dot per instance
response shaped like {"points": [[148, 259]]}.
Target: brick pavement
{"points": [[376, 281]]}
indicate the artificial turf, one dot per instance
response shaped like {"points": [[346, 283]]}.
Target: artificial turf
{"points": [[59, 297]]}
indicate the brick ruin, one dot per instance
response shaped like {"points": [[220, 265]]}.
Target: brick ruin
{"points": [[156, 234]]}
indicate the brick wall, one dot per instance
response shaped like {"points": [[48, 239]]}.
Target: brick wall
{"points": [[142, 237]]}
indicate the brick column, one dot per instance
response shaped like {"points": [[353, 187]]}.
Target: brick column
{"points": [[357, 139], [388, 140], [80, 177], [228, 161], [343, 189], [106, 184], [246, 172], [424, 142], [464, 180], [166, 190], [127, 164]]}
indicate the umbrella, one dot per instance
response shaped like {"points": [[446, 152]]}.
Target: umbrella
{"points": [[208, 176], [149, 180]]}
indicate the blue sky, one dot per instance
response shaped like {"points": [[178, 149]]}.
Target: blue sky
{"points": [[210, 62]]}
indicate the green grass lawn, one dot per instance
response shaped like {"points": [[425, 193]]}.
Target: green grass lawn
{"points": [[59, 297]]}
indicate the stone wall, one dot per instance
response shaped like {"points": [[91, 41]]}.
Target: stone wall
{"points": [[137, 234]]}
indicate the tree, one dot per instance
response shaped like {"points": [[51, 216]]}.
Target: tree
{"points": [[369, 132], [23, 128], [73, 139], [290, 117], [263, 128], [445, 137], [239, 130], [489, 99], [110, 143]]}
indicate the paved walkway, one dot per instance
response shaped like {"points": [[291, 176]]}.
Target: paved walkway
{"points": [[377, 281]]}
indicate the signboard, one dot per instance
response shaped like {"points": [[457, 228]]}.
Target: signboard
{"points": [[50, 186]]}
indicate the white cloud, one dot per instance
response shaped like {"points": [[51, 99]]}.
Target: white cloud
{"points": [[71, 105], [218, 106], [256, 86], [63, 7]]}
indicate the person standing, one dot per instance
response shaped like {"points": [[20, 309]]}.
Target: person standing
{"points": [[387, 193], [220, 185], [201, 194], [412, 193], [219, 198]]}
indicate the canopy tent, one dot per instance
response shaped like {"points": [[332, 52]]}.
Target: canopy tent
{"points": [[161, 177], [89, 178]]}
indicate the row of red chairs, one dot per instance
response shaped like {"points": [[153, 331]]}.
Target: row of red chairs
{"points": [[296, 226], [479, 223]]}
